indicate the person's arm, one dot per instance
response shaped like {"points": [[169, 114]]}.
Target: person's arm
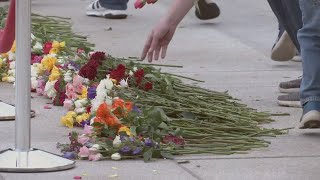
{"points": [[7, 36], [163, 32]]}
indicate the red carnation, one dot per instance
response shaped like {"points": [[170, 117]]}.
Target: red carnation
{"points": [[151, 1], [88, 109], [139, 4], [118, 73], [59, 99], [139, 74], [99, 56], [173, 139], [148, 86], [47, 47]]}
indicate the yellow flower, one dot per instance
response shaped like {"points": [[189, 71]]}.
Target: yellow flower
{"points": [[67, 121], [48, 62], [4, 78], [54, 51], [40, 69], [55, 74], [84, 93], [114, 81], [13, 48], [126, 130], [83, 117], [4, 55], [1, 61], [62, 44], [55, 44], [72, 114]]}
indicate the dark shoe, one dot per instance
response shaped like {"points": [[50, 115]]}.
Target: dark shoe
{"points": [[205, 10], [290, 100], [95, 9], [290, 86]]}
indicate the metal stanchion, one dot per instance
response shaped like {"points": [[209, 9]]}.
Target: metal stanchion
{"points": [[24, 158]]}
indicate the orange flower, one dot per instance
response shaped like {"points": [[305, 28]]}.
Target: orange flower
{"points": [[103, 110], [104, 116], [121, 108]]}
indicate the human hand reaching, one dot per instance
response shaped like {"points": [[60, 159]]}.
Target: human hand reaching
{"points": [[158, 41]]}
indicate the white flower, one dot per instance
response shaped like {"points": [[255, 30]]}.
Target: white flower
{"points": [[32, 37], [37, 46], [109, 84], [11, 55], [67, 76], [12, 72], [92, 120], [135, 69], [80, 110], [49, 89], [10, 79], [34, 70], [116, 156], [108, 100], [86, 81], [12, 65], [80, 103], [94, 148], [34, 83], [131, 73], [70, 67], [95, 103], [123, 83], [116, 142]]}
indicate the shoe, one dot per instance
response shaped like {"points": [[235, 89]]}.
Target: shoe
{"points": [[290, 100], [297, 58], [310, 120], [284, 49], [207, 9], [95, 9], [290, 86]]}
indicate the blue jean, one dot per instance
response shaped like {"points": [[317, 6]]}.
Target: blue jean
{"points": [[114, 4], [309, 39]]}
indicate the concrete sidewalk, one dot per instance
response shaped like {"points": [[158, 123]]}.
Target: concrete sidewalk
{"points": [[229, 53]]}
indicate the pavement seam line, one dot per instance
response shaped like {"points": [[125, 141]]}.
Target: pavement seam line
{"points": [[263, 157]]}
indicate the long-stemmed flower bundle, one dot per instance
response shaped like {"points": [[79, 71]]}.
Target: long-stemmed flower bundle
{"points": [[201, 120]]}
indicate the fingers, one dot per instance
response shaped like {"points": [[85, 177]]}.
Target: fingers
{"points": [[146, 47], [153, 47], [164, 51], [156, 53]]}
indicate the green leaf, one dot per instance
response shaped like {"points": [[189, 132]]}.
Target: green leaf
{"points": [[147, 156], [133, 130], [178, 132], [97, 124], [166, 155], [163, 126]]}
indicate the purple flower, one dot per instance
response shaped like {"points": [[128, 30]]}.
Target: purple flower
{"points": [[84, 123], [69, 155], [123, 138], [132, 139], [92, 92], [125, 149], [75, 65], [136, 109], [148, 142], [137, 151]]}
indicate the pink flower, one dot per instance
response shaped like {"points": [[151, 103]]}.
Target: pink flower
{"points": [[88, 129], [40, 87], [77, 83], [68, 104], [83, 139], [84, 152], [70, 91], [139, 4], [95, 157]]}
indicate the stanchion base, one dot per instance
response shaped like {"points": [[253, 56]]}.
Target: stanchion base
{"points": [[33, 161]]}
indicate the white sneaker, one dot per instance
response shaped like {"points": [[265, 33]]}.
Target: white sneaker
{"points": [[310, 120], [95, 9], [284, 49]]}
